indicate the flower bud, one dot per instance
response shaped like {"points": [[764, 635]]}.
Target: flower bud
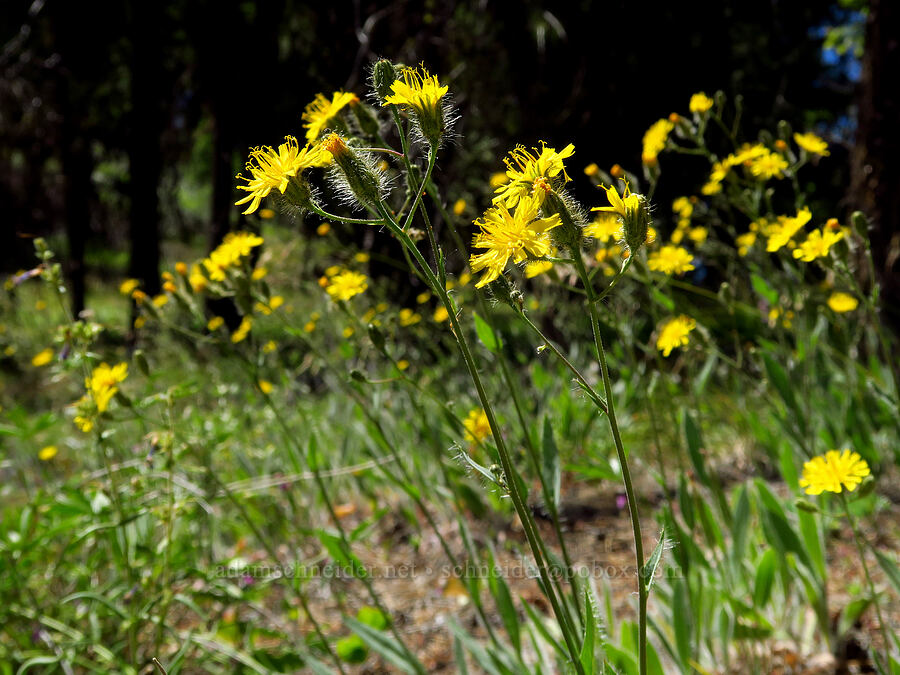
{"points": [[383, 76], [367, 121], [570, 233], [361, 178], [376, 336]]}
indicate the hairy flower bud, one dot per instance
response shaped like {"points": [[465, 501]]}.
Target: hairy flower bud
{"points": [[383, 76], [570, 233], [361, 178]]}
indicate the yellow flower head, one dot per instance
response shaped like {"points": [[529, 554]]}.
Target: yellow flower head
{"points": [[508, 235], [674, 333], [197, 281], [671, 260], [700, 103], [243, 330], [833, 472], [421, 93], [440, 314], [633, 211], [320, 113], [812, 144], [128, 286], [683, 207], [745, 242], [346, 284], [817, 244], [42, 358], [47, 453], [524, 168], [655, 140], [781, 232], [537, 267], [271, 170], [476, 425], [235, 246], [605, 226], [102, 385], [408, 317], [768, 165], [842, 302]]}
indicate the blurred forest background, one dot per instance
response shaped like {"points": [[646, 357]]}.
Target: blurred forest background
{"points": [[123, 124]]}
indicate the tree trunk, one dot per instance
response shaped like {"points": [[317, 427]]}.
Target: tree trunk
{"points": [[876, 171]]}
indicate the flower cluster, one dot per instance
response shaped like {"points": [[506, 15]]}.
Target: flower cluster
{"points": [[100, 387], [229, 253]]}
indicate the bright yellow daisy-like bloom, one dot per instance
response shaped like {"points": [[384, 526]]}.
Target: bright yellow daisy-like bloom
{"points": [[833, 472], [671, 260], [320, 113], [842, 302], [655, 140], [812, 144], [745, 243], [101, 386], [817, 244], [768, 165], [346, 284], [781, 232], [243, 330], [476, 425], [508, 235], [235, 246], [525, 169], [674, 333], [419, 91], [537, 267], [605, 226], [42, 358], [273, 170], [632, 209], [700, 103]]}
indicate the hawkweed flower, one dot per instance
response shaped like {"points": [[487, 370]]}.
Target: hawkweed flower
{"points": [[654, 141], [280, 170], [420, 92], [355, 175], [671, 260], [42, 358], [346, 284], [812, 144], [604, 227], [235, 247], [841, 302], [634, 212], [700, 103], [243, 330], [674, 333], [322, 113], [101, 386], [768, 165], [531, 173], [781, 232], [833, 472], [476, 426], [506, 235], [817, 244]]}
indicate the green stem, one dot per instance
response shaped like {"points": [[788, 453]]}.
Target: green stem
{"points": [[623, 462], [521, 508], [857, 537]]}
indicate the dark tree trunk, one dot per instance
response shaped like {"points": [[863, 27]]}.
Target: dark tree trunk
{"points": [[876, 170], [144, 152], [77, 166]]}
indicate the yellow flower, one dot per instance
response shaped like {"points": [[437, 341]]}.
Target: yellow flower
{"points": [[275, 302], [833, 472], [42, 358], [362, 257], [215, 323], [258, 273], [498, 179], [698, 235], [170, 287], [525, 168], [271, 170], [309, 327], [181, 268], [423, 297], [346, 284], [235, 246], [671, 260], [605, 226], [323, 229], [683, 207], [537, 268], [812, 144], [420, 92], [127, 287], [817, 244], [102, 384], [243, 330], [265, 386], [139, 322], [270, 347], [320, 113], [441, 314], [459, 206], [402, 364], [700, 103], [780, 233], [47, 453], [348, 332], [591, 170], [476, 425], [508, 235], [160, 300], [408, 317], [674, 333], [464, 279], [745, 242], [842, 302], [768, 165], [655, 140], [266, 214]]}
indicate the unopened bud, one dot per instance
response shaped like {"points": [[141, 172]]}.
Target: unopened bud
{"points": [[384, 74], [570, 233], [141, 360], [376, 336], [360, 177]]}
